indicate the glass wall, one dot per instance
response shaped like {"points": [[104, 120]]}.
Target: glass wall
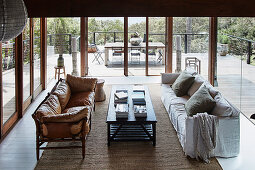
{"points": [[106, 46], [8, 77], [26, 61], [235, 62], [37, 53], [194, 35], [156, 42], [137, 57], [59, 36]]}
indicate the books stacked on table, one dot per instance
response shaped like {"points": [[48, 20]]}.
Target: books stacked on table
{"points": [[138, 98], [121, 111], [121, 97], [140, 111], [138, 88]]}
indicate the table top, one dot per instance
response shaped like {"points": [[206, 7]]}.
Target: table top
{"points": [[111, 115], [142, 45]]}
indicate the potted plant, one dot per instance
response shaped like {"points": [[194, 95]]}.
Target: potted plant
{"points": [[224, 40], [135, 39]]}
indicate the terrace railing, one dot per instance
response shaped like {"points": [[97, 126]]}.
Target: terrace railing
{"points": [[185, 36], [241, 46]]}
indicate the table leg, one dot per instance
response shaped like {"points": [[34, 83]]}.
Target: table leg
{"points": [[164, 56], [106, 56], [154, 133], [108, 133]]}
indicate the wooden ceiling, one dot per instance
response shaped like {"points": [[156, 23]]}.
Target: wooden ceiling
{"points": [[138, 8]]}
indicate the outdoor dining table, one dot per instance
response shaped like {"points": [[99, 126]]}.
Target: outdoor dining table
{"points": [[152, 45]]}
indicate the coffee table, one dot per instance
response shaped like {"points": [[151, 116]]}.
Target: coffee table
{"points": [[131, 129]]}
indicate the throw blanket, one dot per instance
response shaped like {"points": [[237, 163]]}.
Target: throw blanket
{"points": [[204, 135]]}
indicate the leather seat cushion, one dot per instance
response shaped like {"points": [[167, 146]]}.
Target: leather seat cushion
{"points": [[81, 84], [81, 99], [50, 107], [74, 114], [63, 92]]}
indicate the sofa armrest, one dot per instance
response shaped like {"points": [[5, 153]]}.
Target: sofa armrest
{"points": [[169, 78], [73, 116]]}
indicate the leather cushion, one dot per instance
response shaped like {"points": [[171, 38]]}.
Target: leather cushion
{"points": [[81, 99], [73, 114], [50, 107], [81, 84], [63, 92]]}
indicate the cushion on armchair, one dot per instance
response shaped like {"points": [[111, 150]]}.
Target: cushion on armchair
{"points": [[201, 101], [81, 99], [74, 114], [63, 92], [81, 84], [50, 107], [182, 84]]}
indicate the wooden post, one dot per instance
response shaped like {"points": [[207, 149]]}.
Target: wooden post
{"points": [[147, 48], [31, 56], [169, 45], [212, 56], [84, 45], [1, 93], [19, 74], [126, 46], [43, 23]]}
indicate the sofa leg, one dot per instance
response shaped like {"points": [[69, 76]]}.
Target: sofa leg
{"points": [[83, 147], [37, 148]]}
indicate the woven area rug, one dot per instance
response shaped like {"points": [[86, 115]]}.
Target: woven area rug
{"points": [[167, 154]]}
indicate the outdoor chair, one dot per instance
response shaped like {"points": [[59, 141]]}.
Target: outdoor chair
{"points": [[96, 51], [135, 55], [160, 57], [117, 53], [152, 54]]}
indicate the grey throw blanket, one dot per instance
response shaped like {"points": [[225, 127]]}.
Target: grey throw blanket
{"points": [[204, 135]]}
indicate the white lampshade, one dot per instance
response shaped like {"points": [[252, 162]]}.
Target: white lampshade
{"points": [[13, 18]]}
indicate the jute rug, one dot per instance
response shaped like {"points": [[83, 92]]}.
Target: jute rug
{"points": [[167, 154]]}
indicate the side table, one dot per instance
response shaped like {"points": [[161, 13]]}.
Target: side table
{"points": [[57, 71], [100, 93]]}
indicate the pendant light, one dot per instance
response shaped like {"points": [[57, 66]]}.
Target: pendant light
{"points": [[13, 18]]}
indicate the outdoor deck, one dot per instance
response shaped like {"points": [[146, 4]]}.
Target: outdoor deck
{"points": [[235, 79]]}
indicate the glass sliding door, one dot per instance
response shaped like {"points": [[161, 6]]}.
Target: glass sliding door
{"points": [[106, 46], [37, 53], [193, 32], [137, 46], [8, 78], [156, 45], [26, 62], [59, 38]]}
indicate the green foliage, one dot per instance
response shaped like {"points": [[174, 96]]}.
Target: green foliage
{"points": [[223, 39]]}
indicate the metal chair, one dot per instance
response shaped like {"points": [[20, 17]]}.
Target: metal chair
{"points": [[117, 52], [152, 52], [135, 53], [97, 52]]}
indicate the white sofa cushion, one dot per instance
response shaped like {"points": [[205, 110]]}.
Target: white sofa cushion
{"points": [[196, 84], [222, 107]]}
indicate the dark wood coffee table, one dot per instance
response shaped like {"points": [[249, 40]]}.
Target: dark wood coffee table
{"points": [[131, 129]]}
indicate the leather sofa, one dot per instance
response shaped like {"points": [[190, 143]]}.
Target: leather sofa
{"points": [[228, 128], [65, 114]]}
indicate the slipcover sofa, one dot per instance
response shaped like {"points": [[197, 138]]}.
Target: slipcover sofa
{"points": [[228, 128], [65, 114]]}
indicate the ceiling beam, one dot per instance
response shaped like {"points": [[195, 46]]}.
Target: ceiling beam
{"points": [[138, 8]]}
